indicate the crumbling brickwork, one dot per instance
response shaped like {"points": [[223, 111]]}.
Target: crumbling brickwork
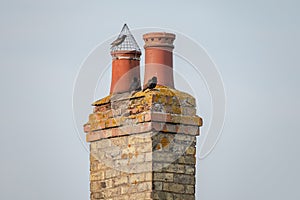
{"points": [[142, 145]]}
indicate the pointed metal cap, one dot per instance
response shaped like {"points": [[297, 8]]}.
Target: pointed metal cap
{"points": [[125, 41]]}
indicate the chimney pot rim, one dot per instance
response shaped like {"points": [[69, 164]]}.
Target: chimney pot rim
{"points": [[126, 52], [127, 55], [159, 34]]}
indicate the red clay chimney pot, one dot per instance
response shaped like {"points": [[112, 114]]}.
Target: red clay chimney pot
{"points": [[125, 66], [125, 54], [159, 57]]}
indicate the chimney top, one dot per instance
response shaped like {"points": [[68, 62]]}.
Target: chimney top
{"points": [[125, 41], [159, 39]]}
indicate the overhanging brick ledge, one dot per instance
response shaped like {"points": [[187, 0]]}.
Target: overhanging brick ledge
{"points": [[142, 128], [99, 124]]}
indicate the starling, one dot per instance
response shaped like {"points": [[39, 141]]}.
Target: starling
{"points": [[135, 85], [118, 41], [151, 83]]}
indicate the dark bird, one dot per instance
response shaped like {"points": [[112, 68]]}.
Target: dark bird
{"points": [[151, 83], [135, 85], [118, 41]]}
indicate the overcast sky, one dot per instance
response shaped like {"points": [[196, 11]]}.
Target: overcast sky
{"points": [[255, 45]]}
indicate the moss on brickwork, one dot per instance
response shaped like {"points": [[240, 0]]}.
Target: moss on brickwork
{"points": [[143, 145], [161, 104], [160, 94]]}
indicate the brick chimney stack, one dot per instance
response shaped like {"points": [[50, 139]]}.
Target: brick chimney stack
{"points": [[159, 57], [143, 144]]}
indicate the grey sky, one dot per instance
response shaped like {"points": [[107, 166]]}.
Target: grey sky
{"points": [[255, 45]]}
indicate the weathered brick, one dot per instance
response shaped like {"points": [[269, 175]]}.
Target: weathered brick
{"points": [[112, 192], [113, 153], [121, 163], [94, 186], [140, 167], [119, 141], [122, 197], [173, 187], [163, 177], [144, 148], [124, 189], [148, 195], [109, 173], [189, 160], [97, 195], [157, 167], [177, 148], [188, 197], [174, 168], [183, 197], [148, 176], [138, 139], [157, 185], [103, 143], [189, 111], [135, 178], [109, 183], [158, 195], [87, 127], [164, 156], [184, 179], [191, 150], [137, 196], [190, 189], [99, 175], [141, 187], [121, 180], [148, 156], [190, 169]]}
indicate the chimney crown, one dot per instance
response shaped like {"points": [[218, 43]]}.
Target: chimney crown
{"points": [[159, 39]]}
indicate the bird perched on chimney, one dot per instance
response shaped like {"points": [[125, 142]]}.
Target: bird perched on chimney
{"points": [[118, 41], [135, 85], [151, 83]]}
